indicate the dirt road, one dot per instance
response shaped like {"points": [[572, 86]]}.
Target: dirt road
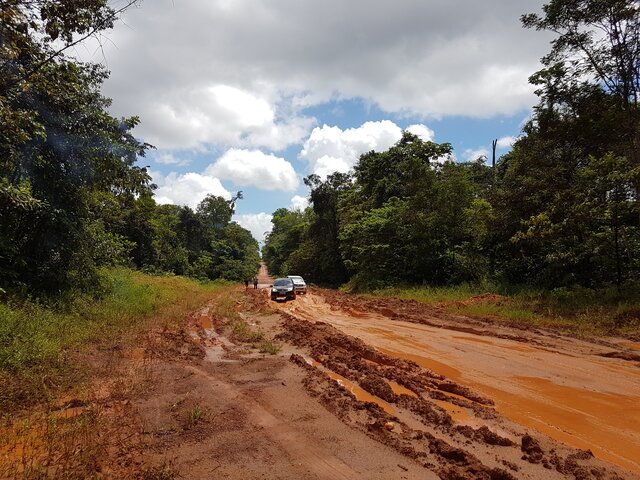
{"points": [[374, 389], [552, 386]]}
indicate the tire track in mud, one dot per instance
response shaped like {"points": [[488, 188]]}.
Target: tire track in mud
{"points": [[426, 423], [315, 459]]}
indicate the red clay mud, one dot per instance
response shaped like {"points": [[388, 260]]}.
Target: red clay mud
{"points": [[569, 395]]}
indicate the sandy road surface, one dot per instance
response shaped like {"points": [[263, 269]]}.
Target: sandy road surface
{"points": [[556, 386]]}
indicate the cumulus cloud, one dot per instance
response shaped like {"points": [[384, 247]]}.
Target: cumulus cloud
{"points": [[506, 142], [167, 158], [259, 224], [187, 189], [197, 115], [254, 168], [239, 73], [471, 155], [331, 149], [422, 131], [298, 203]]}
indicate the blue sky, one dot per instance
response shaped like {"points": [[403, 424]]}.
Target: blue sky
{"points": [[253, 95]]}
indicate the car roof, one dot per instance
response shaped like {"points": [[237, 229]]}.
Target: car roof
{"points": [[296, 276]]}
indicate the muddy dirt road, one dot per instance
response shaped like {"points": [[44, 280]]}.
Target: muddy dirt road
{"points": [[370, 389], [558, 388]]}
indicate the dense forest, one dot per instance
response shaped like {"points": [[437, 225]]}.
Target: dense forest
{"points": [[562, 209], [72, 197]]}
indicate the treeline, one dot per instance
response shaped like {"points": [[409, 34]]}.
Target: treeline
{"points": [[72, 197], [562, 209]]}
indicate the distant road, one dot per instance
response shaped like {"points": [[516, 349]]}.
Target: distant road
{"points": [[264, 280]]}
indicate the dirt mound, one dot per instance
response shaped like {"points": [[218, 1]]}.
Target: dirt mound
{"points": [[631, 356], [448, 461]]}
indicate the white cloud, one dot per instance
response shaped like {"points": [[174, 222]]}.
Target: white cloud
{"points": [[422, 131], [331, 149], [471, 155], [188, 189], [238, 73], [257, 223], [298, 203], [195, 115], [506, 142], [254, 168], [169, 159]]}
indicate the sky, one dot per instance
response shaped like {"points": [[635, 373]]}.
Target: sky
{"points": [[254, 95]]}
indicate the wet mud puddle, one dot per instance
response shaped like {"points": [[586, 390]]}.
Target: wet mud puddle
{"points": [[576, 399], [358, 392], [216, 346], [607, 424], [459, 415]]}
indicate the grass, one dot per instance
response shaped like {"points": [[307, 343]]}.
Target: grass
{"points": [[428, 294], [33, 335], [268, 346], [194, 416], [240, 330], [53, 351], [582, 311], [161, 472]]}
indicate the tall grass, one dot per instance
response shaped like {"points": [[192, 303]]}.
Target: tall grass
{"points": [[429, 294], [37, 341], [581, 310]]}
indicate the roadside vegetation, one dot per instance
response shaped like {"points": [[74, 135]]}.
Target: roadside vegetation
{"points": [[42, 346], [579, 311], [73, 196], [54, 356]]}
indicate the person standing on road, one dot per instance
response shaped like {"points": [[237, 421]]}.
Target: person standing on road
{"points": [[246, 283], [255, 283]]}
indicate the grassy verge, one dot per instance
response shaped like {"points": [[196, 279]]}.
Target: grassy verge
{"points": [[38, 344], [583, 311], [52, 356], [240, 330]]}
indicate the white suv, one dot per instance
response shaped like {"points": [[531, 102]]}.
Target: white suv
{"points": [[298, 283]]}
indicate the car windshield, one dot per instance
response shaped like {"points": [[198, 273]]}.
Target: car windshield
{"points": [[282, 282], [296, 279]]}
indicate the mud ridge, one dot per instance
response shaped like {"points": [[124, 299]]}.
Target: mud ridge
{"points": [[447, 461]]}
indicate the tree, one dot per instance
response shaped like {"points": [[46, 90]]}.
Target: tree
{"points": [[587, 117], [289, 228], [214, 211], [235, 254], [71, 150], [597, 39], [404, 220], [322, 235], [59, 148], [598, 44]]}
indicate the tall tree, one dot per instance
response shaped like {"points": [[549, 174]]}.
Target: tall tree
{"points": [[587, 117], [59, 148]]}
